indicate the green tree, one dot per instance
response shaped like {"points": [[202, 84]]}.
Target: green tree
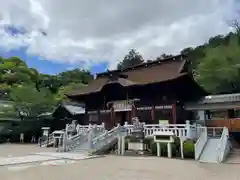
{"points": [[61, 95], [15, 71], [219, 70], [32, 101], [131, 59], [75, 76], [163, 56]]}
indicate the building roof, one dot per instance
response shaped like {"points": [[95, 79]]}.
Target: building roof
{"points": [[224, 101], [75, 109], [220, 98], [145, 73], [72, 107]]}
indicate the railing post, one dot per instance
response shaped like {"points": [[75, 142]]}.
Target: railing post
{"points": [[90, 137], [188, 128], [103, 125]]}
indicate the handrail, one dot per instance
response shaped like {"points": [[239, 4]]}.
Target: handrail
{"points": [[76, 140], [180, 130], [201, 142], [222, 147], [82, 137], [106, 138]]}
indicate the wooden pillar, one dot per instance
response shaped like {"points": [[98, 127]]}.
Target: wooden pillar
{"points": [[153, 114], [174, 114]]}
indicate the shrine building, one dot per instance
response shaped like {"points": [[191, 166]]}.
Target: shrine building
{"points": [[153, 91]]}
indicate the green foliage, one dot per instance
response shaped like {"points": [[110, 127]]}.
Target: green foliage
{"points": [[32, 101], [61, 95], [131, 59], [189, 149], [219, 70]]}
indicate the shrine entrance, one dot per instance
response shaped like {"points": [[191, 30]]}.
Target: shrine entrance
{"points": [[122, 111]]}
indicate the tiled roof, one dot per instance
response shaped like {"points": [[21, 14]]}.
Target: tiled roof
{"points": [[146, 73]]}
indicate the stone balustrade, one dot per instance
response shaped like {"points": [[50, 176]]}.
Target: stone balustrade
{"points": [[180, 130]]}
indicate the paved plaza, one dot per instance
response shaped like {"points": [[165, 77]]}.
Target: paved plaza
{"points": [[73, 167]]}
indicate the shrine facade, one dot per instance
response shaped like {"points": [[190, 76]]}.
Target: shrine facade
{"points": [[155, 92]]}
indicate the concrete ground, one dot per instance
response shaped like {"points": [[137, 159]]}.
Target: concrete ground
{"points": [[115, 168], [8, 150]]}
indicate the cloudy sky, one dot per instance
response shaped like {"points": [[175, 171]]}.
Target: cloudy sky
{"points": [[55, 35]]}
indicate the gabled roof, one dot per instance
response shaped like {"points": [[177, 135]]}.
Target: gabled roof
{"points": [[220, 98], [145, 73], [75, 109], [72, 107]]}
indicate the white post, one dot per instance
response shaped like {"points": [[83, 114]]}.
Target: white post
{"points": [[181, 148], [188, 127], [123, 145], [182, 139], [90, 138], [169, 146], [65, 142], [158, 149], [119, 145], [103, 125]]}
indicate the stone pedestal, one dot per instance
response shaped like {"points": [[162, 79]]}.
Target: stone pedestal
{"points": [[45, 131], [136, 143]]}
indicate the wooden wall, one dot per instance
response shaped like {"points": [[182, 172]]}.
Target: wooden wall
{"points": [[232, 124]]}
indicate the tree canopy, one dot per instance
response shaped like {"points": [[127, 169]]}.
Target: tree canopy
{"points": [[131, 59]]}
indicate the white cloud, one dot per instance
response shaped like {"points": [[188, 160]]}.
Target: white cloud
{"points": [[93, 31]]}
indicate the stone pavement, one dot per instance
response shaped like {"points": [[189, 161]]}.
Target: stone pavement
{"points": [[42, 157], [127, 168], [25, 159], [29, 156], [55, 166]]}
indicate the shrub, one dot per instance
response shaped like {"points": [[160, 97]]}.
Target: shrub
{"points": [[189, 149]]}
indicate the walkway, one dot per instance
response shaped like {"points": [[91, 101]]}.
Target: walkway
{"points": [[117, 167]]}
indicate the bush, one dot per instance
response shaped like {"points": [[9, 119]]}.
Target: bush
{"points": [[189, 149]]}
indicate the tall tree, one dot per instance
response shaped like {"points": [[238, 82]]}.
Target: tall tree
{"points": [[61, 95], [32, 102], [219, 70], [163, 56], [131, 59]]}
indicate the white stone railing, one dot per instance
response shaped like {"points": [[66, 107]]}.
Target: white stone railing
{"points": [[180, 130], [82, 136], [46, 142], [74, 141], [201, 142], [224, 146], [105, 139]]}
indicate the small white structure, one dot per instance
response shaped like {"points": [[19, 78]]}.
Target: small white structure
{"points": [[45, 131], [58, 138], [164, 137]]}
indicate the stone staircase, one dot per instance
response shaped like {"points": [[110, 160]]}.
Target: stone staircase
{"points": [[213, 145], [209, 154], [93, 141]]}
